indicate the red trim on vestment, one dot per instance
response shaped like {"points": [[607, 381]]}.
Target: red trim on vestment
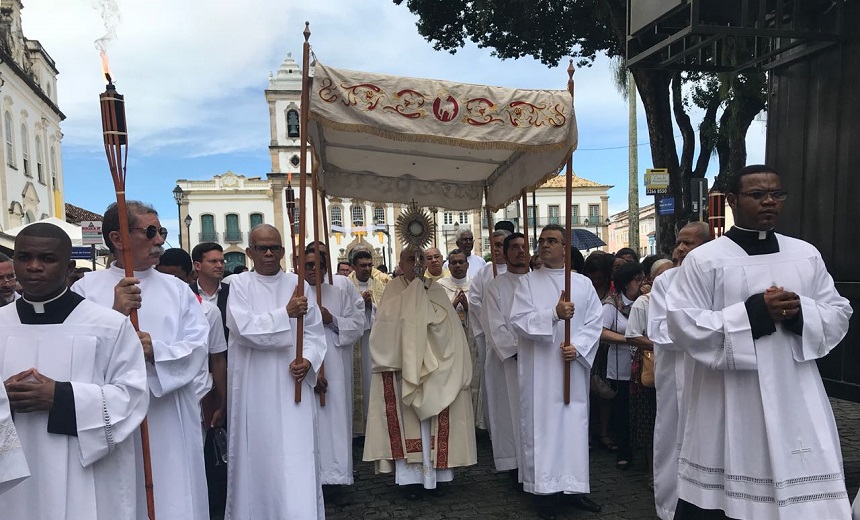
{"points": [[391, 418], [444, 434]]}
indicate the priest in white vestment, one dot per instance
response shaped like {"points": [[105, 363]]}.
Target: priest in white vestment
{"points": [[476, 297], [554, 435], [343, 318], [174, 333], [273, 467], [13, 463], [420, 422], [76, 380], [753, 311], [669, 377], [371, 288], [503, 398], [465, 241]]}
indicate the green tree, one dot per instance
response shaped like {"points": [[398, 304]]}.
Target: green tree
{"points": [[550, 30]]}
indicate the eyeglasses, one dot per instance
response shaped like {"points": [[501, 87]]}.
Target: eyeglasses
{"points": [[778, 195], [150, 231], [465, 239], [9, 278], [275, 249]]}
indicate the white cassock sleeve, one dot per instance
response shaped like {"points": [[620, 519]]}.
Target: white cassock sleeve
{"points": [[658, 331], [826, 315], [586, 328], [107, 414], [500, 338], [720, 339], [351, 326], [180, 360], [13, 464]]}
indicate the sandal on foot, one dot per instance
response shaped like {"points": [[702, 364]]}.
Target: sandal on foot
{"points": [[622, 464], [607, 443]]}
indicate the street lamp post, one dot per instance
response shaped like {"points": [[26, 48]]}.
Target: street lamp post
{"points": [[188, 220], [177, 196]]}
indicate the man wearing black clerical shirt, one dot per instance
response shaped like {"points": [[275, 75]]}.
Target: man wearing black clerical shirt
{"points": [[76, 380], [753, 310]]}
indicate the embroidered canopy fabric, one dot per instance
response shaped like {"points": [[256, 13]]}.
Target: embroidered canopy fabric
{"points": [[395, 139]]}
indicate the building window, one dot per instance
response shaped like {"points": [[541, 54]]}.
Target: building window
{"points": [[447, 218], [231, 230], [232, 260], [531, 214], [378, 215], [40, 159], [594, 213], [574, 214], [357, 215], [336, 213], [25, 150], [10, 140], [295, 161], [207, 229], [293, 127], [553, 214], [463, 217], [256, 219], [54, 168]]}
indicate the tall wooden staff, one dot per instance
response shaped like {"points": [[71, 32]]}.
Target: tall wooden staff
{"points": [[116, 147], [490, 228], [303, 185], [568, 221], [525, 224], [318, 270]]}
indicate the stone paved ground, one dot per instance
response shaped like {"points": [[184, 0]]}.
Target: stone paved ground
{"points": [[478, 493]]}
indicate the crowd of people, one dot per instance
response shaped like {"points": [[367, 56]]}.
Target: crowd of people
{"points": [[701, 366]]}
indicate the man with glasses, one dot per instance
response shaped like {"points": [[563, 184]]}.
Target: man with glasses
{"points": [[273, 469], [174, 335], [465, 241], [7, 281], [754, 310]]}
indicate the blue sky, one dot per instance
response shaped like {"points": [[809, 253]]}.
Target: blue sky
{"points": [[194, 72]]}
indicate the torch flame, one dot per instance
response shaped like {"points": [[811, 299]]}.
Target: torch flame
{"points": [[106, 67], [289, 177]]}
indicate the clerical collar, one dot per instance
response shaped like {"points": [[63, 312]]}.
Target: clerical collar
{"points": [[754, 242], [460, 281], [52, 311]]}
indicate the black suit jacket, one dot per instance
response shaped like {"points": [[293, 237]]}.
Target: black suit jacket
{"points": [[222, 303]]}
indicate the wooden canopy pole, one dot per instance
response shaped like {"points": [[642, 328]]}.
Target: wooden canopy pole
{"points": [[568, 221], [524, 225], [490, 229], [327, 241], [317, 257], [303, 184], [115, 134]]}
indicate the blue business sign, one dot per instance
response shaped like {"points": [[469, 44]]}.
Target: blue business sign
{"points": [[666, 206], [82, 253]]}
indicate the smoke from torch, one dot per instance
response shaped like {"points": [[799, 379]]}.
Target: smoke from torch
{"points": [[111, 18]]}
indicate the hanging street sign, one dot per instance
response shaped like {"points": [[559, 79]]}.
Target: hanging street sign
{"points": [[656, 181], [91, 232]]}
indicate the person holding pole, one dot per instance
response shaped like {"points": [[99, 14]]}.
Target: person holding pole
{"points": [[174, 333], [273, 466], [554, 435], [76, 380]]}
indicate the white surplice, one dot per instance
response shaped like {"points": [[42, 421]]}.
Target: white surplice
{"points": [[759, 440], [500, 371], [668, 382], [554, 435], [376, 287], [273, 470], [475, 263], [216, 344], [334, 420], [172, 316], [476, 295], [13, 463], [91, 476]]}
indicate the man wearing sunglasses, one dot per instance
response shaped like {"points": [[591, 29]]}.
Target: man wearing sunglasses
{"points": [[273, 469], [754, 310], [174, 335]]}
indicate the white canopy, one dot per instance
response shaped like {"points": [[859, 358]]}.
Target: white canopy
{"points": [[398, 139], [72, 230]]}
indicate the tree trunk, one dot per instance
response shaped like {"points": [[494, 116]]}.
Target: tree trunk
{"points": [[653, 87]]}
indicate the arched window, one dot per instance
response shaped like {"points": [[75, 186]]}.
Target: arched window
{"points": [[10, 139], [25, 150], [231, 231], [293, 131], [357, 215], [336, 213], [256, 219], [207, 229], [378, 215], [40, 159]]}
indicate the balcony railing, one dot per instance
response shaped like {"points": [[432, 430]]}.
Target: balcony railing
{"points": [[586, 222], [232, 237], [208, 236]]}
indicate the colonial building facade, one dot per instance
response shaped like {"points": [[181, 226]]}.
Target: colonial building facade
{"points": [[31, 176]]}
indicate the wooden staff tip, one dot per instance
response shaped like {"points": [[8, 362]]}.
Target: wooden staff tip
{"points": [[307, 31]]}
